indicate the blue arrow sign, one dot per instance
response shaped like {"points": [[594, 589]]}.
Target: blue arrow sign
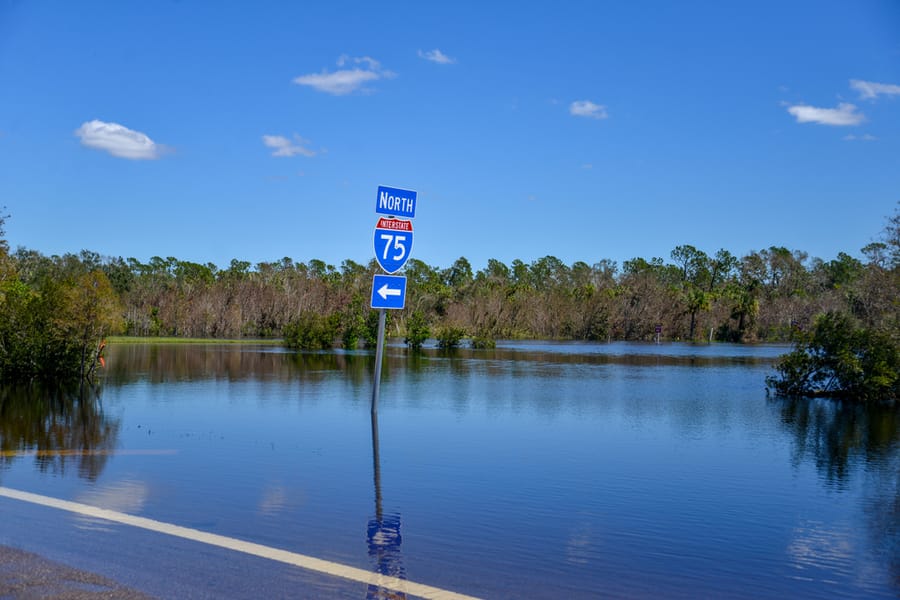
{"points": [[388, 291], [395, 202], [393, 243]]}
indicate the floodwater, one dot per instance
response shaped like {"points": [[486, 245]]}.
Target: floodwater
{"points": [[536, 470]]}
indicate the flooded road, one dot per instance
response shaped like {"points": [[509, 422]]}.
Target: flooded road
{"points": [[535, 470]]}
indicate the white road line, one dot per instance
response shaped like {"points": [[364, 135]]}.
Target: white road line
{"points": [[212, 539]]}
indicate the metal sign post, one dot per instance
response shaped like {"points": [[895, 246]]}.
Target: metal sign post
{"points": [[379, 352], [393, 243]]}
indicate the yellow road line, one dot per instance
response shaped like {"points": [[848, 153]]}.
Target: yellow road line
{"points": [[292, 558]]}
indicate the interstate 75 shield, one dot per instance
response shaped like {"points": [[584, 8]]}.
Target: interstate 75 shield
{"points": [[393, 243]]}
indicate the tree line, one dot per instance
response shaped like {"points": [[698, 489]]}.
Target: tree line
{"points": [[764, 296]]}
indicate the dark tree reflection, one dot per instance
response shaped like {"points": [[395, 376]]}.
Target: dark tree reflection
{"points": [[839, 436], [235, 362], [61, 429], [848, 440]]}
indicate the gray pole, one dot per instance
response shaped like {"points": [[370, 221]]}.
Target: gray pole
{"points": [[376, 467], [379, 354]]}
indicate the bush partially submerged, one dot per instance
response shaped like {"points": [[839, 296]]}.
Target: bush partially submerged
{"points": [[483, 340], [450, 337], [312, 331], [838, 358], [417, 330]]}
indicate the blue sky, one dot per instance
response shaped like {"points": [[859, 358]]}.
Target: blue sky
{"points": [[586, 130]]}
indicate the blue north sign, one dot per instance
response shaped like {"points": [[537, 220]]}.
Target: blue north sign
{"points": [[395, 202], [388, 291], [393, 243]]}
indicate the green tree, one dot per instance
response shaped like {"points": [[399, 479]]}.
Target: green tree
{"points": [[693, 264], [21, 331], [417, 330], [839, 358], [844, 271], [89, 312], [54, 332], [697, 301], [53, 323], [459, 275], [696, 281]]}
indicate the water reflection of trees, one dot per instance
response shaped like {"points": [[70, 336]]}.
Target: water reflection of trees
{"points": [[847, 440], [839, 435], [676, 356], [235, 362], [179, 362], [59, 428]]}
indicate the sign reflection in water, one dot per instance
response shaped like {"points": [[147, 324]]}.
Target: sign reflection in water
{"points": [[383, 534]]}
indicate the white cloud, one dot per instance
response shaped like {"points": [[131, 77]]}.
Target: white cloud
{"points": [[869, 89], [338, 83], [437, 56], [845, 114], [274, 501], [346, 81], [118, 140], [370, 62], [586, 108], [866, 137], [284, 147], [126, 496]]}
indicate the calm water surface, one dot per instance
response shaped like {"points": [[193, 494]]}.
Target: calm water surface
{"points": [[536, 470]]}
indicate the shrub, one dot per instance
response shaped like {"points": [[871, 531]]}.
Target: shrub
{"points": [[839, 358], [450, 337], [312, 331], [370, 333], [417, 330], [358, 321], [483, 340]]}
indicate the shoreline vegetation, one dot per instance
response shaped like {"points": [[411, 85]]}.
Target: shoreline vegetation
{"points": [[57, 312]]}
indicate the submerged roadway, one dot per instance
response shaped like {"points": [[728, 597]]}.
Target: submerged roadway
{"points": [[53, 548]]}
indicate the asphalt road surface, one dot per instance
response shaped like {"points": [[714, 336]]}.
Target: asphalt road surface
{"points": [[24, 575]]}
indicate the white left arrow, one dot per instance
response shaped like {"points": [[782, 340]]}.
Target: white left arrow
{"points": [[385, 291]]}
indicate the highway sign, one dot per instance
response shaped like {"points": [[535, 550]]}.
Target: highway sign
{"points": [[388, 291], [393, 243], [395, 202]]}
